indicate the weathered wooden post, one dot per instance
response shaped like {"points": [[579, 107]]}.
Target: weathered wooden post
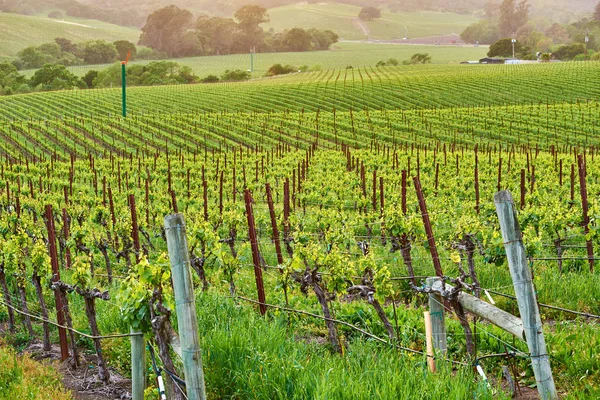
{"points": [[60, 316], [185, 305], [522, 282], [429, 342], [138, 365], [436, 312]]}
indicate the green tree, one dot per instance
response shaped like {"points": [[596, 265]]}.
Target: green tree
{"points": [[31, 57], [503, 48], [124, 48], [89, 77], [597, 12], [54, 77], [249, 18], [98, 52], [419, 58], [557, 33], [512, 16], [369, 13], [569, 52], [216, 34], [278, 69], [66, 45], [484, 32], [297, 39], [9, 76], [235, 75], [322, 40], [167, 30]]}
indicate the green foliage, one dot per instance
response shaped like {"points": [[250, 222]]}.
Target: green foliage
{"points": [[249, 18], [154, 73], [482, 32], [23, 378], [210, 79], [392, 62], [98, 52], [297, 39], [504, 48], [48, 53], [54, 77], [166, 30], [512, 16], [235, 75], [369, 13], [89, 78], [569, 52], [278, 69], [135, 293], [418, 58], [125, 49]]}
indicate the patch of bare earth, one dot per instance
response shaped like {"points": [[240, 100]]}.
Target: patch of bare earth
{"points": [[83, 381]]}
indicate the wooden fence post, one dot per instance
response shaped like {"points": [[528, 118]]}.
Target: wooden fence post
{"points": [[185, 305], [524, 290], [255, 254], [60, 316], [584, 206], [429, 342], [438, 323], [138, 366]]}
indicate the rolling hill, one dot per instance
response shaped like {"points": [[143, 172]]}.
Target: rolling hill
{"points": [[342, 19], [20, 31]]}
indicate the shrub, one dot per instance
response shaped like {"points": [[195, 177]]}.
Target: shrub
{"points": [[569, 51], [392, 62], [210, 79], [419, 58], [236, 75], [89, 77], [504, 48], [278, 69]]}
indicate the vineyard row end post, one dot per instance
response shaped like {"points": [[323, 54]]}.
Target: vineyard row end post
{"points": [[138, 365], [525, 293], [185, 306], [438, 323]]}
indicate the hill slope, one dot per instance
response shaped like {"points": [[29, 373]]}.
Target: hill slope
{"points": [[20, 31], [342, 19]]}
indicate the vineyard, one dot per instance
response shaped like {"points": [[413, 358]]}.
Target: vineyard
{"points": [[316, 183]]}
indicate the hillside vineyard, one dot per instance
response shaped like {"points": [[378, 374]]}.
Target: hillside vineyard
{"points": [[329, 162]]}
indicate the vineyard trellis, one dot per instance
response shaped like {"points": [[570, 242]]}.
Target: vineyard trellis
{"points": [[333, 209]]}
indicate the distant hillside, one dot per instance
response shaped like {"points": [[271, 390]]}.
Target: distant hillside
{"points": [[134, 12], [20, 31], [555, 9], [342, 19]]}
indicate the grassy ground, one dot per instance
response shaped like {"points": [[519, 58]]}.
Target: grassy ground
{"points": [[20, 31], [341, 18], [340, 56], [23, 378]]}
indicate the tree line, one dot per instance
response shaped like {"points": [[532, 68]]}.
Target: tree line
{"points": [[510, 19], [65, 52], [58, 77], [174, 31]]}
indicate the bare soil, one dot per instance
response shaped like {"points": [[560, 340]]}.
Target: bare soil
{"points": [[83, 381]]}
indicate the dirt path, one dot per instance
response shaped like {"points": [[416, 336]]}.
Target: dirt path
{"points": [[358, 23]]}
